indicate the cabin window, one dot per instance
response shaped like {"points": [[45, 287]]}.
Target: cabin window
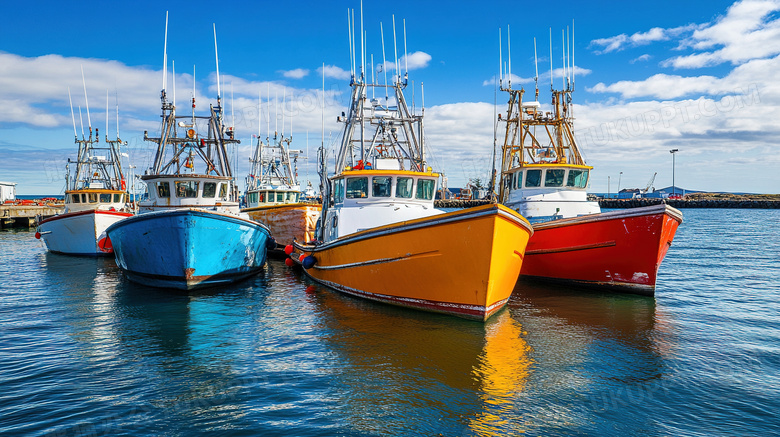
{"points": [[577, 178], [222, 190], [403, 188], [554, 178], [163, 189], [76, 198], [381, 186], [186, 189], [93, 197], [338, 191], [533, 178], [210, 190], [292, 197], [261, 197], [425, 189], [117, 198], [280, 196], [105, 198], [357, 188]]}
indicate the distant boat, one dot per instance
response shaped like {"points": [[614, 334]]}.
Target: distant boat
{"points": [[380, 236], [273, 195], [189, 233], [95, 198], [544, 178]]}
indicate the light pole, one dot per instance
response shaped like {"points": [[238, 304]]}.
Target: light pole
{"points": [[674, 188], [608, 196], [619, 179]]}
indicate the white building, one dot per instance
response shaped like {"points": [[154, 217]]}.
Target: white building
{"points": [[7, 191]]}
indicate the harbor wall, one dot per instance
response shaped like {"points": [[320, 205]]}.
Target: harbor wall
{"points": [[691, 203], [636, 203], [24, 215]]}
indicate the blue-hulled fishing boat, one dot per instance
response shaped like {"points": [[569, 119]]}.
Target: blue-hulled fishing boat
{"points": [[190, 233]]}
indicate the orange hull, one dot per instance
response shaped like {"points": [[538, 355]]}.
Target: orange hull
{"points": [[620, 249], [463, 263], [287, 222]]}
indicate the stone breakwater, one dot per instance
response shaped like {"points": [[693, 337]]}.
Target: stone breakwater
{"points": [[691, 203], [636, 203]]}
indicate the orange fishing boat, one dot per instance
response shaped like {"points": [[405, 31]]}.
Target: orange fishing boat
{"points": [[544, 178], [379, 235], [273, 194]]}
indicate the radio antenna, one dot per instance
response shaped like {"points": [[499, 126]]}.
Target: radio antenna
{"points": [[84, 81], [384, 61], [509, 54], [500, 61], [395, 49], [72, 117], [551, 62], [536, 66], [406, 55], [216, 56], [165, 55]]}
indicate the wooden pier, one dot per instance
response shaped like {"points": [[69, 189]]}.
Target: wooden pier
{"points": [[24, 215]]}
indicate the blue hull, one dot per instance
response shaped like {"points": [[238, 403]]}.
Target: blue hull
{"points": [[187, 249]]}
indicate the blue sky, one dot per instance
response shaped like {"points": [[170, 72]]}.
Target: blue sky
{"points": [[697, 76]]}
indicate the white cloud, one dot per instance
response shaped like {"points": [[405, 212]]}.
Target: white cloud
{"points": [[334, 72], [415, 61], [746, 32], [298, 73], [755, 73], [643, 58], [623, 41]]}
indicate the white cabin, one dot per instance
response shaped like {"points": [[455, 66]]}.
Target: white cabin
{"points": [[366, 199], [544, 192], [95, 199], [188, 190]]}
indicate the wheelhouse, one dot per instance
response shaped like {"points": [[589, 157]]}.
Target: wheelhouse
{"points": [[553, 177], [381, 186], [272, 197], [187, 191], [82, 200]]}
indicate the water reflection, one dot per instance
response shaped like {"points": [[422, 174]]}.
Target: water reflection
{"points": [[398, 367], [598, 353], [180, 353]]}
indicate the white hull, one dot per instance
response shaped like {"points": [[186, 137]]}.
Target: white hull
{"points": [[79, 233]]}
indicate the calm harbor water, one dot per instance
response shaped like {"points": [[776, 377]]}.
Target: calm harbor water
{"points": [[85, 352]]}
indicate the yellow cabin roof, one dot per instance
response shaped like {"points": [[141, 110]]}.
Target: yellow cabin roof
{"points": [[95, 190], [346, 173], [554, 165]]}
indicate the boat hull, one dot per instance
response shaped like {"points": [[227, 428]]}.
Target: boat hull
{"points": [[463, 263], [288, 222], [621, 250], [79, 233], [190, 248]]}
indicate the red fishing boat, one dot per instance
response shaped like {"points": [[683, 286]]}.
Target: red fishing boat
{"points": [[544, 178]]}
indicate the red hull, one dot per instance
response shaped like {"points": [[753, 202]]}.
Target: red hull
{"points": [[620, 249]]}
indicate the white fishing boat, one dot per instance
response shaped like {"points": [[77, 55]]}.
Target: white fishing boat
{"points": [[95, 197], [380, 236], [273, 194]]}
